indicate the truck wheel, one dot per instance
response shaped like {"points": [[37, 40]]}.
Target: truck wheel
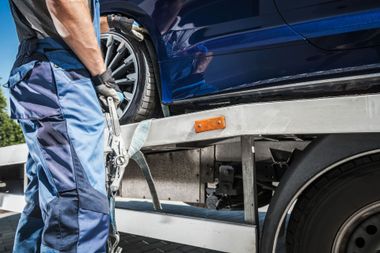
{"points": [[340, 213], [132, 69]]}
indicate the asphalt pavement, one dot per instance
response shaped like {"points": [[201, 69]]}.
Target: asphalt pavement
{"points": [[130, 243]]}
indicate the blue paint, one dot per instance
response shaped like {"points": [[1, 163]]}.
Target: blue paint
{"points": [[218, 46], [253, 39], [340, 24], [336, 24]]}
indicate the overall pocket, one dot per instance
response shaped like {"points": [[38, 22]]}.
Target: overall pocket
{"points": [[33, 94], [75, 90], [67, 68]]}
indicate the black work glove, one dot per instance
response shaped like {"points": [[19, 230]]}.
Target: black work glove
{"points": [[121, 23], [105, 86], [125, 25]]}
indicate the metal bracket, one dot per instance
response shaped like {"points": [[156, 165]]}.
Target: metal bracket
{"points": [[249, 181]]}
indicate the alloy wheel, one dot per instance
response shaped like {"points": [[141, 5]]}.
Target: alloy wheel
{"points": [[120, 57]]}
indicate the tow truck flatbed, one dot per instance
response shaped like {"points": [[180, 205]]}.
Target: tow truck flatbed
{"points": [[248, 122]]}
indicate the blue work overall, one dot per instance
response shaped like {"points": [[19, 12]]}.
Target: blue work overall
{"points": [[54, 100]]}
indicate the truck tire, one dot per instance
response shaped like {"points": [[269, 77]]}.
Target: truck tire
{"points": [[339, 213], [139, 85]]}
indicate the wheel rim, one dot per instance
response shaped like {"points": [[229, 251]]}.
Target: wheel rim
{"points": [[121, 59], [361, 232]]}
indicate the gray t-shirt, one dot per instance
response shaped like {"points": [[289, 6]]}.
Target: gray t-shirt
{"points": [[33, 19]]}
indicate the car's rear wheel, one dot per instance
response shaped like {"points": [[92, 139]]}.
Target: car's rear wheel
{"points": [[132, 69], [340, 213]]}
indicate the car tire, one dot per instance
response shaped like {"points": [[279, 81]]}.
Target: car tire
{"points": [[143, 103], [318, 222]]}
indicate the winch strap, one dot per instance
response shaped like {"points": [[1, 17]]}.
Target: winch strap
{"points": [[139, 137], [139, 158]]}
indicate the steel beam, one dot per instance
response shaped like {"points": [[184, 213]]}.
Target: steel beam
{"points": [[12, 202], [345, 114], [249, 180], [12, 155]]}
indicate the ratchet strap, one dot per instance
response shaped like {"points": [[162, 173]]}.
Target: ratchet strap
{"points": [[117, 158], [139, 137]]}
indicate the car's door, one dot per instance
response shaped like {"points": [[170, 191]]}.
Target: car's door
{"points": [[334, 24], [216, 46]]}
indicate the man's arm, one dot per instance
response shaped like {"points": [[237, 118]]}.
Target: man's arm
{"points": [[104, 26], [72, 20]]}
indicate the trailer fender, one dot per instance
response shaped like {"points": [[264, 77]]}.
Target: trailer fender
{"points": [[321, 156]]}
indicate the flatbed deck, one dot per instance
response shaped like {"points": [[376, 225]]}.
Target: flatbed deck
{"points": [[233, 232]]}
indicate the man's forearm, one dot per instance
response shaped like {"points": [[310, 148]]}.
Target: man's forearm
{"points": [[104, 26], [72, 20]]}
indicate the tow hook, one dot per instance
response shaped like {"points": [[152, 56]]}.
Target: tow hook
{"points": [[138, 35], [138, 31]]}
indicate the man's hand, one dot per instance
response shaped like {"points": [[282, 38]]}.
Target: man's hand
{"points": [[106, 87], [119, 22], [123, 24]]}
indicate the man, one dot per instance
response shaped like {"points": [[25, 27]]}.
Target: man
{"points": [[54, 84]]}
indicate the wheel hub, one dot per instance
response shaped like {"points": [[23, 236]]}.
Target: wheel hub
{"points": [[121, 59], [361, 232]]}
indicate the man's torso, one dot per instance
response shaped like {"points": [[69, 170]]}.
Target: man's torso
{"points": [[33, 19]]}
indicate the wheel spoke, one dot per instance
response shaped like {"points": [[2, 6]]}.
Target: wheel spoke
{"points": [[132, 76], [125, 81], [120, 53], [129, 60], [128, 96], [119, 112], [123, 68], [110, 45], [119, 70]]}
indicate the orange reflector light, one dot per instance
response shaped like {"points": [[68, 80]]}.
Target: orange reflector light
{"points": [[210, 124]]}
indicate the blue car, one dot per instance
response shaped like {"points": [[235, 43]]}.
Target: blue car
{"points": [[199, 54]]}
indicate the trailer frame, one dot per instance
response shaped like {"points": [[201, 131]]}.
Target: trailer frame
{"points": [[354, 114]]}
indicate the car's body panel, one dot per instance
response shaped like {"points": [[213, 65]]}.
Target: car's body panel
{"points": [[201, 57], [334, 24], [220, 46]]}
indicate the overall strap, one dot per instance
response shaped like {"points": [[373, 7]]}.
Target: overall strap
{"points": [[96, 17]]}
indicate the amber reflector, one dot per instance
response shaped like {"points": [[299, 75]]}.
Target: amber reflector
{"points": [[210, 124]]}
